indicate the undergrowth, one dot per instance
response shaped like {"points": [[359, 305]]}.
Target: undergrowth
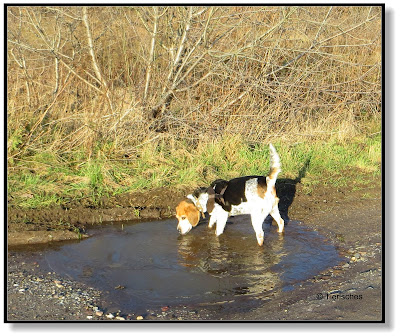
{"points": [[46, 179], [103, 100]]}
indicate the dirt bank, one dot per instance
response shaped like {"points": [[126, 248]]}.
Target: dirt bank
{"points": [[70, 220]]}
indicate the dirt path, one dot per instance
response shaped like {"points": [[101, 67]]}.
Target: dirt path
{"points": [[350, 291]]}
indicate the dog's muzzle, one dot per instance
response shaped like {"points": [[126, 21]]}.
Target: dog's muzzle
{"points": [[184, 227]]}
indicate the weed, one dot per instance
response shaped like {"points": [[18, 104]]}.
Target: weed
{"points": [[136, 212], [333, 164]]}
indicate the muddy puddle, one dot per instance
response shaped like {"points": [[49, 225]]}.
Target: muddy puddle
{"points": [[149, 265]]}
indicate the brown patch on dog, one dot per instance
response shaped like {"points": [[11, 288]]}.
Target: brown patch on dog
{"points": [[273, 192], [261, 188], [187, 209], [273, 171], [211, 199], [276, 201]]}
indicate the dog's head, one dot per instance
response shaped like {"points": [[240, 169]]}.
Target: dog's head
{"points": [[188, 216], [188, 211]]}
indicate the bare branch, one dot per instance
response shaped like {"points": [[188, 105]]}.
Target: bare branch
{"points": [[63, 13], [151, 53], [94, 61], [91, 48]]}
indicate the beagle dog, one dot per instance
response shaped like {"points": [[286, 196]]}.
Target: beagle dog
{"points": [[254, 195]]}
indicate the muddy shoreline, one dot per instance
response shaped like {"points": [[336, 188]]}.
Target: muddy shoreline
{"points": [[351, 219], [71, 220]]}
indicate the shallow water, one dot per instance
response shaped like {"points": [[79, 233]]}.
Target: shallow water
{"points": [[148, 265]]}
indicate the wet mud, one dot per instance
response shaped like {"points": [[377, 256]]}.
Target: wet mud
{"points": [[71, 220]]}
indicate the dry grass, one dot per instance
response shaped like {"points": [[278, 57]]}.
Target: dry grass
{"points": [[197, 74], [110, 84]]}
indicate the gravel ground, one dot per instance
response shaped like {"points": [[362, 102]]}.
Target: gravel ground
{"points": [[34, 294]]}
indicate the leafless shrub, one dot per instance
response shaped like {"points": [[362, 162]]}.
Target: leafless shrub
{"points": [[127, 75]]}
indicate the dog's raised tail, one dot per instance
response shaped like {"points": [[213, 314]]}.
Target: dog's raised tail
{"points": [[275, 165]]}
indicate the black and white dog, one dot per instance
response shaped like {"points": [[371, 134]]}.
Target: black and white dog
{"points": [[254, 195]]}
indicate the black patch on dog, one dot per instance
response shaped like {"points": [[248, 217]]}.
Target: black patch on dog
{"points": [[199, 191], [262, 181], [219, 185], [234, 192]]}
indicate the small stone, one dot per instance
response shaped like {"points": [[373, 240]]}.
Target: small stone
{"points": [[110, 316], [58, 283], [89, 317], [139, 317], [99, 313], [357, 256], [120, 318]]}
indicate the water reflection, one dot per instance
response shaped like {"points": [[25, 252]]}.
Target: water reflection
{"points": [[234, 255]]}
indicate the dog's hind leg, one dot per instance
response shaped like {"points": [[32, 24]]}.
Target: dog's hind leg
{"points": [[277, 216]]}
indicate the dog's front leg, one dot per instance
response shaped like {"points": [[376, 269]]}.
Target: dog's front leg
{"points": [[213, 220], [257, 219], [221, 222]]}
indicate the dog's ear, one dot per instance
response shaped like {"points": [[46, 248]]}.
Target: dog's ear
{"points": [[211, 199], [193, 215]]}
